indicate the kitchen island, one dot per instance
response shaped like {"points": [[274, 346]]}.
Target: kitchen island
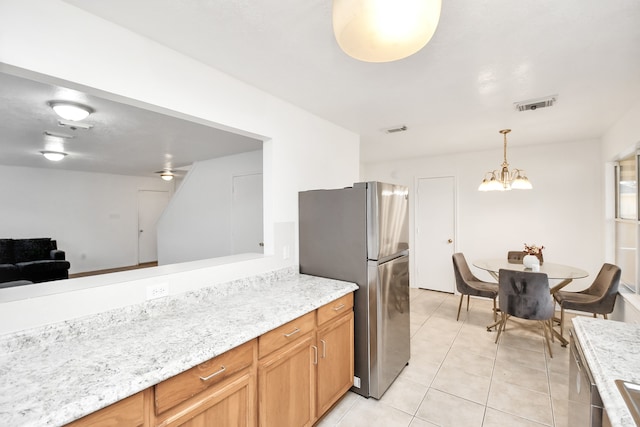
{"points": [[53, 375], [612, 351]]}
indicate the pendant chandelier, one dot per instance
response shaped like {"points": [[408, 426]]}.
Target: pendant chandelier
{"points": [[384, 30], [502, 179]]}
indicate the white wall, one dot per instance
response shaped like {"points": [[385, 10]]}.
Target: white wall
{"points": [[563, 211], [197, 222], [93, 217], [301, 150]]}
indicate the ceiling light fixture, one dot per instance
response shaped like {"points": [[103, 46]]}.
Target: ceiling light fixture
{"points": [[71, 110], [384, 30], [502, 179], [54, 156], [167, 176]]}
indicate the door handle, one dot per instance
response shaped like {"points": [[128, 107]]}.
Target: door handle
{"points": [[450, 241], [140, 231]]}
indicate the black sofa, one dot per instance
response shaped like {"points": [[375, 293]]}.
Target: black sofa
{"points": [[25, 261]]}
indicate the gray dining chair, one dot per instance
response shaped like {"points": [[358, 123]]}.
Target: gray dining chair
{"points": [[515, 257], [525, 295], [469, 285], [599, 298]]}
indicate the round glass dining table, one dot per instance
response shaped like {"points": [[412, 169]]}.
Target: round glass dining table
{"points": [[564, 273]]}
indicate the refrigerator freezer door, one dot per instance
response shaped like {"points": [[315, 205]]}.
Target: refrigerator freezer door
{"points": [[387, 219], [389, 322]]}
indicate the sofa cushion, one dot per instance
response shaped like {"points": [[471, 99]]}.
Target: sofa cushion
{"points": [[31, 249], [41, 271], [9, 272], [6, 251]]}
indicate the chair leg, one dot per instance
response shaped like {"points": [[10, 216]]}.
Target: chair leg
{"points": [[501, 325], [551, 330], [468, 298], [546, 337], [561, 321], [460, 306], [595, 315], [495, 310], [605, 316]]}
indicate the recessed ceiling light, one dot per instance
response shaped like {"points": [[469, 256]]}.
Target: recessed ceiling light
{"points": [[54, 156], [71, 110]]}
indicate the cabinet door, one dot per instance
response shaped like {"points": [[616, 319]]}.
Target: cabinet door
{"points": [[286, 384], [231, 403], [335, 361]]}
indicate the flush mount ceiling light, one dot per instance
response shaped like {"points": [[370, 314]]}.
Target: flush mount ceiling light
{"points": [[502, 179], [166, 174], [54, 156], [384, 30], [71, 110]]}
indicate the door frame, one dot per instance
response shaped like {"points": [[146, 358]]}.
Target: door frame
{"points": [[414, 223]]}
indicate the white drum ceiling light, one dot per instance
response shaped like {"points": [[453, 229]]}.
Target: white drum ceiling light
{"points": [[71, 110], [384, 30]]}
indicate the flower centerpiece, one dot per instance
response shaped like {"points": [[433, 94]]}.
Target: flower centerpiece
{"points": [[534, 250]]}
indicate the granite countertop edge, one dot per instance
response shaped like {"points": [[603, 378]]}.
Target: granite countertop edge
{"points": [[612, 351], [79, 367]]}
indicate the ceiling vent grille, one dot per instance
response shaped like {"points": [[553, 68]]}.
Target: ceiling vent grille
{"points": [[402, 128], [534, 104]]}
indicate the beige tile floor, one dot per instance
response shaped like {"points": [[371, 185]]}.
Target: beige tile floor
{"points": [[458, 376]]}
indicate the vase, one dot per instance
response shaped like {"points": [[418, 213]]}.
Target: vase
{"points": [[530, 260]]}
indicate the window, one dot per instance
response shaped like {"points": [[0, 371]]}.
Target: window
{"points": [[627, 221]]}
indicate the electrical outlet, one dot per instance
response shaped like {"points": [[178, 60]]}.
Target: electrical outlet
{"points": [[158, 290]]}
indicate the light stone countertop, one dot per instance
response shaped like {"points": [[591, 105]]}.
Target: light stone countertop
{"points": [[53, 375], [612, 351]]}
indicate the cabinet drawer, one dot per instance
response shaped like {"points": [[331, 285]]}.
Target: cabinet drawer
{"points": [[177, 389], [286, 333], [128, 412], [336, 308]]}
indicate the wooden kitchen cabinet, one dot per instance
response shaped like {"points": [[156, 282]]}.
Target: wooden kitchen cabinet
{"points": [[286, 385], [220, 392], [335, 361], [299, 379], [129, 412]]}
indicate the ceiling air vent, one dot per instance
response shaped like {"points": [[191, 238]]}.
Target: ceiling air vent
{"points": [[402, 128], [534, 104]]}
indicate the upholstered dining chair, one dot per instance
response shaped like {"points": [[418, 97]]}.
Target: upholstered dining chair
{"points": [[515, 257], [525, 295], [469, 285], [599, 298]]}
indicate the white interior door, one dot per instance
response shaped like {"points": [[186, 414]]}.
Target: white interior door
{"points": [[246, 214], [434, 240], [151, 204]]}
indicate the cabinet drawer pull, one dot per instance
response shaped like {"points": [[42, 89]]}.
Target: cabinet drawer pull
{"points": [[295, 331], [338, 308], [315, 354], [324, 349], [218, 372]]}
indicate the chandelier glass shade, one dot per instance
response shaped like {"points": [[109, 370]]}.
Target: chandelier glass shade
{"points": [[384, 30], [503, 179]]}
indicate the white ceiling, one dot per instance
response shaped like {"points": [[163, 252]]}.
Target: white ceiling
{"points": [[124, 139], [454, 95]]}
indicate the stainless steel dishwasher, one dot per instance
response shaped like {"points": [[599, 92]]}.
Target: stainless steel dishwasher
{"points": [[585, 405]]}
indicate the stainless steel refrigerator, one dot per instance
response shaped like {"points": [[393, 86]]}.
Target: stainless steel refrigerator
{"points": [[360, 234]]}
